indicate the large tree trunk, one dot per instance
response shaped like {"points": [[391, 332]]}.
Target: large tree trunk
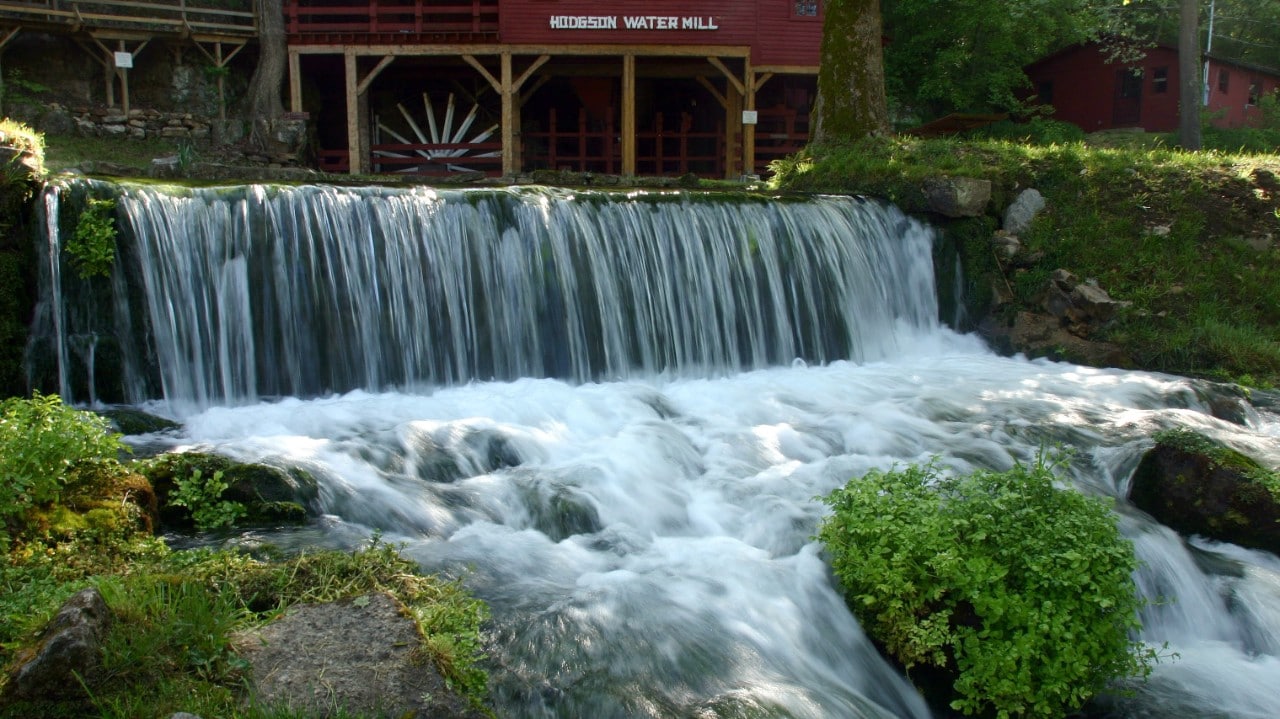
{"points": [[851, 99], [1189, 93], [264, 107]]}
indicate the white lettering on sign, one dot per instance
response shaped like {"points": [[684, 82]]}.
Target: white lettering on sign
{"points": [[584, 22], [632, 22]]}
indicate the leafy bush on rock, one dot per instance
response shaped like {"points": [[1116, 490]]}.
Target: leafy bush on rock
{"points": [[1018, 591]]}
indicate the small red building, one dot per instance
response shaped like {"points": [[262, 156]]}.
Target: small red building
{"points": [[1087, 89], [659, 87]]}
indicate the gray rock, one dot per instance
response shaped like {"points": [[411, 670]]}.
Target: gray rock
{"points": [[56, 121], [356, 655], [1019, 215], [1193, 485], [165, 167], [69, 648], [957, 196], [1078, 304]]}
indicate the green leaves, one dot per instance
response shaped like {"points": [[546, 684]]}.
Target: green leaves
{"points": [[1022, 591], [202, 497], [42, 442], [92, 247]]}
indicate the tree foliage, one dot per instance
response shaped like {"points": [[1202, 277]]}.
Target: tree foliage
{"points": [[1020, 590], [968, 55]]}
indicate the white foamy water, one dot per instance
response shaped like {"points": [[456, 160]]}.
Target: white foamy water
{"points": [[608, 444], [646, 544]]}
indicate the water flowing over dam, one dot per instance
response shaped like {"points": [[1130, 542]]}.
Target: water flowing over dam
{"points": [[612, 415]]}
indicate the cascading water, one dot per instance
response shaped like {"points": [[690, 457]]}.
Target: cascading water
{"points": [[590, 407]]}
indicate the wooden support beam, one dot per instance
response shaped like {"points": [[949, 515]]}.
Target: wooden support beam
{"points": [[355, 143], [108, 64], [295, 81], [363, 87], [749, 131], [733, 79], [484, 72], [533, 67], [715, 91], [510, 113], [9, 36], [629, 115], [220, 60]]}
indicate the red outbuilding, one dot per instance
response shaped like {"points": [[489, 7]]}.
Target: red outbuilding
{"points": [[1088, 89], [655, 87]]}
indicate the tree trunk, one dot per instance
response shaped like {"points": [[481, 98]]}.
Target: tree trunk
{"points": [[1189, 94], [851, 99], [264, 106]]}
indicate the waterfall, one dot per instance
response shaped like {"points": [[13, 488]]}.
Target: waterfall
{"points": [[260, 291], [611, 416]]}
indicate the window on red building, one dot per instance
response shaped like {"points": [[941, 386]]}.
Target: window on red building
{"points": [[1224, 80], [809, 9], [1160, 80], [1255, 92]]}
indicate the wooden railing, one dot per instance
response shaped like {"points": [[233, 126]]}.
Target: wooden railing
{"points": [[780, 131], [679, 151], [580, 149], [181, 17], [304, 18]]}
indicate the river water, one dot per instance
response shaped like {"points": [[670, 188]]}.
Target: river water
{"points": [[624, 456]]}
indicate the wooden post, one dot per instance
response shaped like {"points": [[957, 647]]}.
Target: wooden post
{"points": [[123, 74], [295, 81], [355, 143], [749, 131], [629, 115], [510, 164]]}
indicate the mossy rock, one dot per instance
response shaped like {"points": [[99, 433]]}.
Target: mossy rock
{"points": [[128, 421], [1195, 485], [269, 494]]}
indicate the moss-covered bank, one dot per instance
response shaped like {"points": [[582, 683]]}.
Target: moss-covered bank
{"points": [[1188, 239]]}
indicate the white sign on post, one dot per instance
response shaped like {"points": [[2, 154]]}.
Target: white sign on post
{"points": [[749, 117], [124, 60]]}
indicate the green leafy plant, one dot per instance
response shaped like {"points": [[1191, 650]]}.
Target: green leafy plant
{"points": [[1018, 591], [202, 497], [20, 89], [92, 246], [42, 444]]}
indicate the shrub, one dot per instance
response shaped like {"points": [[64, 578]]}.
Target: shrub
{"points": [[92, 247], [42, 443], [1021, 593], [202, 497]]}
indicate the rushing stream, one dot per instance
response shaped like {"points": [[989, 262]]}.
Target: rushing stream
{"points": [[613, 416]]}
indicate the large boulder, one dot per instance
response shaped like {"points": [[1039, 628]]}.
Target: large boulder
{"points": [[957, 196], [69, 649], [1019, 215], [270, 494], [1194, 485], [360, 656]]}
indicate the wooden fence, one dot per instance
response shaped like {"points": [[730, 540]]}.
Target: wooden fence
{"points": [[178, 17]]}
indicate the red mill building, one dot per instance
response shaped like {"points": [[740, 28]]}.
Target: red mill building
{"points": [[662, 87]]}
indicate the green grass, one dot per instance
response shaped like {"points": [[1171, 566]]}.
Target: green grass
{"points": [[76, 518], [66, 151], [1190, 239]]}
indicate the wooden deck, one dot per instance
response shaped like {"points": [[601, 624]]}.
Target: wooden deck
{"points": [[207, 20]]}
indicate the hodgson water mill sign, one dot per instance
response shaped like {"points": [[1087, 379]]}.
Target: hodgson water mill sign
{"points": [[632, 22]]}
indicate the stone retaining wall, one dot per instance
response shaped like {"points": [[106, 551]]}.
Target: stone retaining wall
{"points": [[137, 124]]}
